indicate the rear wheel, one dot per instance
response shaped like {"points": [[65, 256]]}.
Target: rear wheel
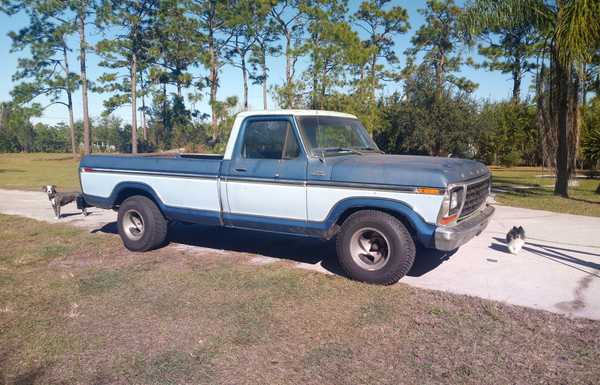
{"points": [[142, 226], [375, 247]]}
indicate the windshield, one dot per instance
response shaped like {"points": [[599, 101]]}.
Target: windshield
{"points": [[325, 135]]}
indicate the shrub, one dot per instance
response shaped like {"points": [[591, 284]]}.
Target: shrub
{"points": [[511, 159]]}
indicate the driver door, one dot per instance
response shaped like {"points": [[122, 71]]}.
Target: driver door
{"points": [[267, 174]]}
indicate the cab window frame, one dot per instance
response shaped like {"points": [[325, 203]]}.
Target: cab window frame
{"points": [[243, 135]]}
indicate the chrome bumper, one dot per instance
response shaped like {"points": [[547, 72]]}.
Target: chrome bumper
{"points": [[452, 237]]}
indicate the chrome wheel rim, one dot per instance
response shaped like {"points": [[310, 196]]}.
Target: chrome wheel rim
{"points": [[370, 249], [133, 224]]}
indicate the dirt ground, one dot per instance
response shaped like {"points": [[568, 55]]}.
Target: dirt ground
{"points": [[77, 308]]}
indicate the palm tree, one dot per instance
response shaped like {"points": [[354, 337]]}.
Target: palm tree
{"points": [[571, 33]]}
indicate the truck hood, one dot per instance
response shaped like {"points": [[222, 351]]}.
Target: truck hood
{"points": [[404, 170]]}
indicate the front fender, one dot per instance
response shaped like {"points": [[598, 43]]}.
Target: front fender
{"points": [[424, 231]]}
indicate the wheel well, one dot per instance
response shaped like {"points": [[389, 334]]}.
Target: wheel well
{"points": [[402, 218], [129, 192]]}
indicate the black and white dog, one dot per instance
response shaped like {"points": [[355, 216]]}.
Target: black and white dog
{"points": [[58, 199], [515, 239]]}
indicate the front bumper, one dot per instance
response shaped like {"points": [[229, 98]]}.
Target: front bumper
{"points": [[452, 237]]}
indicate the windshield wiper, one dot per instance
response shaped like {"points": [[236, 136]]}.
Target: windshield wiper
{"points": [[342, 149], [371, 149]]}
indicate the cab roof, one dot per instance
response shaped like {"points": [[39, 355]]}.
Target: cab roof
{"points": [[295, 113]]}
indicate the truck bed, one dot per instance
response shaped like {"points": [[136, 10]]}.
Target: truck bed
{"points": [[179, 183], [178, 164]]}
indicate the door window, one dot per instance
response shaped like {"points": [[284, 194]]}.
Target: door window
{"points": [[270, 139]]}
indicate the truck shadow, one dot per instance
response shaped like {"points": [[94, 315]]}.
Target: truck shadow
{"points": [[569, 257], [298, 249]]}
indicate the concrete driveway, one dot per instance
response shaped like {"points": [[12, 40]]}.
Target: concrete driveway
{"points": [[558, 270]]}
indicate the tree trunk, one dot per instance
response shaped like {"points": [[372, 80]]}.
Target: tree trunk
{"points": [[573, 120], [163, 139], [264, 84], [373, 78], [71, 123], [70, 103], [516, 92], [142, 88], [323, 85], [560, 110], [439, 92], [213, 101], [83, 76], [439, 76], [214, 79], [245, 77], [314, 101], [315, 70], [545, 120], [134, 147], [584, 85], [362, 73], [288, 70], [144, 126]]}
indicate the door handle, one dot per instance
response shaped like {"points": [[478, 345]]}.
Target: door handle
{"points": [[241, 169]]}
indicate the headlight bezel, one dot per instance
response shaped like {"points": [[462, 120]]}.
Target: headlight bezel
{"points": [[452, 204]]}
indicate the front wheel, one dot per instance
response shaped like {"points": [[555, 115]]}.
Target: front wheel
{"points": [[142, 226], [375, 247]]}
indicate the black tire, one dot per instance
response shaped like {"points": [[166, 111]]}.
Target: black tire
{"points": [[377, 229], [154, 224]]}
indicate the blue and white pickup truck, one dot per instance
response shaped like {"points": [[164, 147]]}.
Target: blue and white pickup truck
{"points": [[307, 173]]}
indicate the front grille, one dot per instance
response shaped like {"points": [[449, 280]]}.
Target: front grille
{"points": [[476, 195]]}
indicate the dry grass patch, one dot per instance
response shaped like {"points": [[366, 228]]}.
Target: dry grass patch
{"points": [[171, 317]]}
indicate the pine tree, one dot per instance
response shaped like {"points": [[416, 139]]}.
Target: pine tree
{"points": [[176, 44], [381, 26], [47, 67], [330, 43], [289, 22], [248, 17], [440, 40], [83, 11], [265, 45], [214, 24], [126, 50], [510, 50]]}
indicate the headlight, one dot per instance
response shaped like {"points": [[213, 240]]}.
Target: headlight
{"points": [[456, 198], [454, 201], [451, 205]]}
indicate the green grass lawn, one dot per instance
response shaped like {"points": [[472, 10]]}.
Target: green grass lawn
{"points": [[30, 171], [524, 188], [78, 308]]}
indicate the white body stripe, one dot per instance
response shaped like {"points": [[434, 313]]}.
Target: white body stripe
{"points": [[286, 201], [267, 199], [320, 201], [192, 193]]}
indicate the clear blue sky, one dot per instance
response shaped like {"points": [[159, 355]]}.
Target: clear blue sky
{"points": [[492, 85]]}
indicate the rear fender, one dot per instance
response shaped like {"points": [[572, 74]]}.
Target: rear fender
{"points": [[123, 191]]}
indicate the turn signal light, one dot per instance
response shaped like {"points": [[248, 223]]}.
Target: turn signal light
{"points": [[429, 191], [448, 220]]}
